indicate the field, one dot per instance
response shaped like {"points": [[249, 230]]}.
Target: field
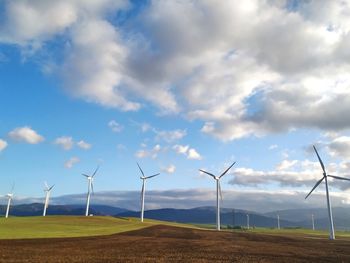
{"points": [[69, 226], [164, 243]]}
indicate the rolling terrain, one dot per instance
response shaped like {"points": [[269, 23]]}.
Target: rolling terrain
{"points": [[200, 215], [161, 243]]}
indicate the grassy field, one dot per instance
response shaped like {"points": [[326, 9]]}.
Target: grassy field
{"points": [[80, 226], [282, 231], [69, 226]]}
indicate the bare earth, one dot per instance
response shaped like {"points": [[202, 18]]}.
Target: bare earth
{"points": [[173, 244]]}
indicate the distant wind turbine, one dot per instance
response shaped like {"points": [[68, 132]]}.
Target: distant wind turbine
{"points": [[90, 179], [313, 221], [144, 178], [278, 222], [47, 190], [218, 192], [325, 176], [10, 197], [248, 221]]}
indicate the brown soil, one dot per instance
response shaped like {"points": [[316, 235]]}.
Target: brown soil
{"points": [[172, 244]]}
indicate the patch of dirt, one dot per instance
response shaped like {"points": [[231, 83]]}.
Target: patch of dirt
{"points": [[174, 244]]}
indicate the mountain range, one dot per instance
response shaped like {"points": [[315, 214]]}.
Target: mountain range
{"points": [[200, 215]]}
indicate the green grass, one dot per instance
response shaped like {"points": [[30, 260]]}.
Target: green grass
{"points": [[70, 226], [79, 226]]}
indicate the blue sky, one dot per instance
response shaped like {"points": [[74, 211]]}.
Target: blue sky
{"points": [[175, 86]]}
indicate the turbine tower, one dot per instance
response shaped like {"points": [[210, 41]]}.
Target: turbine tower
{"points": [[47, 190], [278, 222], [218, 192], [248, 221], [325, 178], [144, 178], [10, 197], [313, 221], [90, 179]]}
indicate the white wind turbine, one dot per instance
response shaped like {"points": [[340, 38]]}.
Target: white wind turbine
{"points": [[47, 190], [144, 178], [218, 192], [325, 176], [9, 197], [90, 179]]}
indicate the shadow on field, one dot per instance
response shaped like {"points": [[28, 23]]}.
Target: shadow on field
{"points": [[173, 244]]}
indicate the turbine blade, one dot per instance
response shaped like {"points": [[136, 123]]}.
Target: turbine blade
{"points": [[98, 167], [319, 159], [141, 170], [85, 175], [338, 177], [13, 187], [51, 187], [152, 176], [46, 186], [207, 173], [315, 187], [92, 188], [227, 170]]}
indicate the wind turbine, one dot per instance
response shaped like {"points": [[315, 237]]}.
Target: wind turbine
{"points": [[10, 197], [218, 191], [278, 222], [325, 176], [144, 178], [313, 221], [47, 190], [248, 221], [90, 179]]}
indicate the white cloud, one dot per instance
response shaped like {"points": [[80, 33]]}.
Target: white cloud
{"points": [[170, 136], [181, 149], [169, 169], [339, 147], [286, 164], [273, 146], [26, 134], [190, 153], [84, 145], [115, 126], [193, 155], [71, 162], [65, 142], [236, 82], [152, 153], [3, 145]]}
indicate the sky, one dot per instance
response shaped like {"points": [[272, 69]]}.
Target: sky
{"points": [[176, 86]]}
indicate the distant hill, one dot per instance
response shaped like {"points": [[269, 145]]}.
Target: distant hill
{"points": [[302, 217], [200, 215], [207, 215], [36, 209]]}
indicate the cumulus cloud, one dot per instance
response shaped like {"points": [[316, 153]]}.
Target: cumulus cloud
{"points": [[26, 134], [115, 126], [65, 142], [152, 153], [193, 155], [169, 169], [170, 136], [3, 145], [71, 162], [84, 145], [236, 82], [190, 153]]}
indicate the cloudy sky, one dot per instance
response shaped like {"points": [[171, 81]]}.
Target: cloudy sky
{"points": [[176, 86]]}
